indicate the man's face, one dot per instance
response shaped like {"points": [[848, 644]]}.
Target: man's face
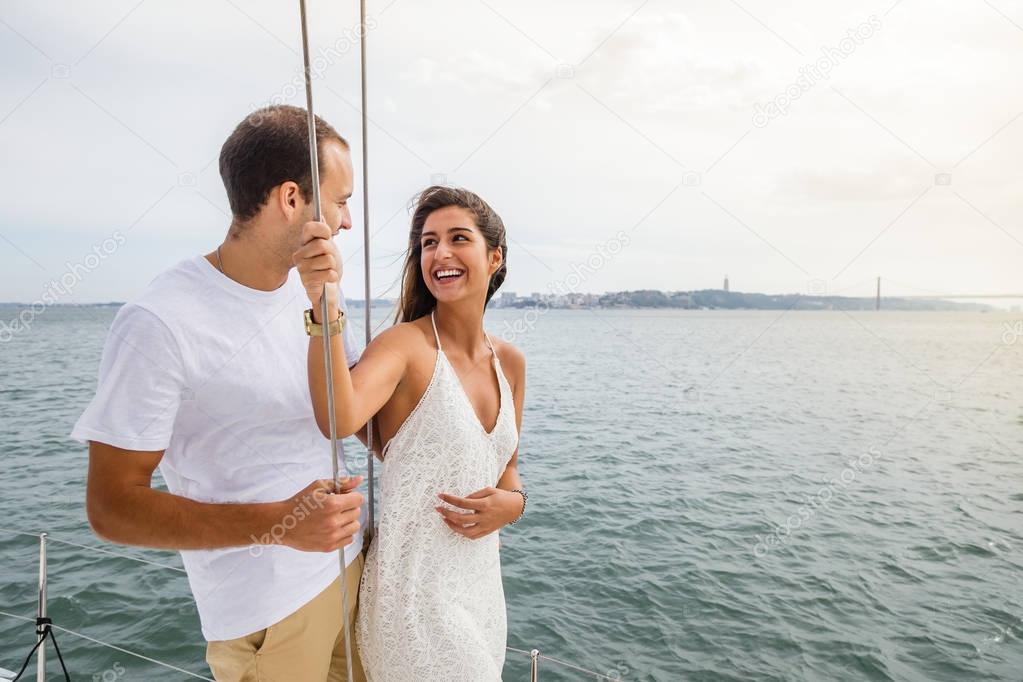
{"points": [[336, 185]]}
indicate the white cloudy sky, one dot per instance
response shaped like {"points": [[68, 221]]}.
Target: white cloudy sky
{"points": [[575, 119]]}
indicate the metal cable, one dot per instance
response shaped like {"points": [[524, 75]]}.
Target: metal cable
{"points": [[111, 646], [91, 548]]}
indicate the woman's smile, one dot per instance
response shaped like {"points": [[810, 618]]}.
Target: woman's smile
{"points": [[446, 276]]}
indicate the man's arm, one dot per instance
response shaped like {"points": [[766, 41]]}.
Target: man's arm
{"points": [[124, 508]]}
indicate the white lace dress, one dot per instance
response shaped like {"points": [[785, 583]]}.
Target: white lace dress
{"points": [[431, 605]]}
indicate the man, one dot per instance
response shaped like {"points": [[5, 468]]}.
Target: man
{"points": [[205, 376]]}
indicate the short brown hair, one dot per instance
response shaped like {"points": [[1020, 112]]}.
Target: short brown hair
{"points": [[416, 299], [268, 148]]}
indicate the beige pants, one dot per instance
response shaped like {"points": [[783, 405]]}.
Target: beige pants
{"points": [[307, 646]]}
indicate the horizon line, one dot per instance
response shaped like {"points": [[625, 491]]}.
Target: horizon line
{"points": [[936, 297]]}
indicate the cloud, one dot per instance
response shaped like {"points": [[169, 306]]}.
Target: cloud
{"points": [[455, 89], [852, 185], [661, 64]]}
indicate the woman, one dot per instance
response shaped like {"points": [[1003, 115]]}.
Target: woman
{"points": [[447, 403]]}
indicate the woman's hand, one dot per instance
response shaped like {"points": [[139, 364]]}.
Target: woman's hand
{"points": [[319, 264], [481, 513]]}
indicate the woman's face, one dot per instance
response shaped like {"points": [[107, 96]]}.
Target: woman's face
{"points": [[455, 258]]}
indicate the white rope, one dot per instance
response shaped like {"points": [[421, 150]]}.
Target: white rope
{"points": [[117, 554], [112, 646], [181, 570], [191, 674], [567, 665], [575, 667], [92, 548], [19, 532]]}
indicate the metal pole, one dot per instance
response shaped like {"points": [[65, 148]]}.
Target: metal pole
{"points": [[534, 665], [41, 610], [365, 254], [314, 167]]}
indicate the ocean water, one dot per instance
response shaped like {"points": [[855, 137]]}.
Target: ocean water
{"points": [[714, 495]]}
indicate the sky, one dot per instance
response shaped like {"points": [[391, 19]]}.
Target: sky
{"points": [[795, 147]]}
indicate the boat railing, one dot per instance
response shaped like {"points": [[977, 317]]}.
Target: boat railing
{"points": [[41, 620]]}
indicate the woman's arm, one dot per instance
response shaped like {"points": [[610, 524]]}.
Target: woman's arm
{"points": [[360, 392], [515, 361]]}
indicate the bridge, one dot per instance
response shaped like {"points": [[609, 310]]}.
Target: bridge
{"points": [[969, 296], [937, 295]]}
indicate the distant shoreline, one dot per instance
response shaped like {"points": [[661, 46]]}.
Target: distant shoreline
{"points": [[646, 299], [696, 301]]}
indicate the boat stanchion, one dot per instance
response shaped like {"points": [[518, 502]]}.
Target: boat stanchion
{"points": [[534, 665], [328, 361], [41, 612]]}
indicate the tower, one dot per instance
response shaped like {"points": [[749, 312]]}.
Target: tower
{"points": [[726, 283]]}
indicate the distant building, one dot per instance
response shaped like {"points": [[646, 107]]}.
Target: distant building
{"points": [[726, 283]]}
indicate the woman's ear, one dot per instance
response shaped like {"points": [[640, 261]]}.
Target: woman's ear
{"points": [[496, 259]]}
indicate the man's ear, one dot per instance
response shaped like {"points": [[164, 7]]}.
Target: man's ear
{"points": [[289, 199]]}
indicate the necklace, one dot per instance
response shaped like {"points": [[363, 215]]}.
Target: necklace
{"points": [[220, 264]]}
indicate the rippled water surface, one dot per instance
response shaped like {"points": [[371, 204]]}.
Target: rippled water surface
{"points": [[714, 495]]}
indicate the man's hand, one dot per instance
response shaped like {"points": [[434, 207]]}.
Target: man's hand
{"points": [[319, 263], [317, 519], [481, 513], [123, 507]]}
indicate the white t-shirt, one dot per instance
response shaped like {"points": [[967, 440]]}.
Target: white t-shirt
{"points": [[214, 373]]}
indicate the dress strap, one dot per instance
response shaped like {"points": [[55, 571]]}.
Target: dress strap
{"points": [[435, 334]]}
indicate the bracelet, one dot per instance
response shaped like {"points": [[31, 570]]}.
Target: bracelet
{"points": [[332, 329], [525, 498]]}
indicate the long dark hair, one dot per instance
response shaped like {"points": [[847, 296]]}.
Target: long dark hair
{"points": [[416, 299]]}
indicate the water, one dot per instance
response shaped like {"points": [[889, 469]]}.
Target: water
{"points": [[662, 451]]}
